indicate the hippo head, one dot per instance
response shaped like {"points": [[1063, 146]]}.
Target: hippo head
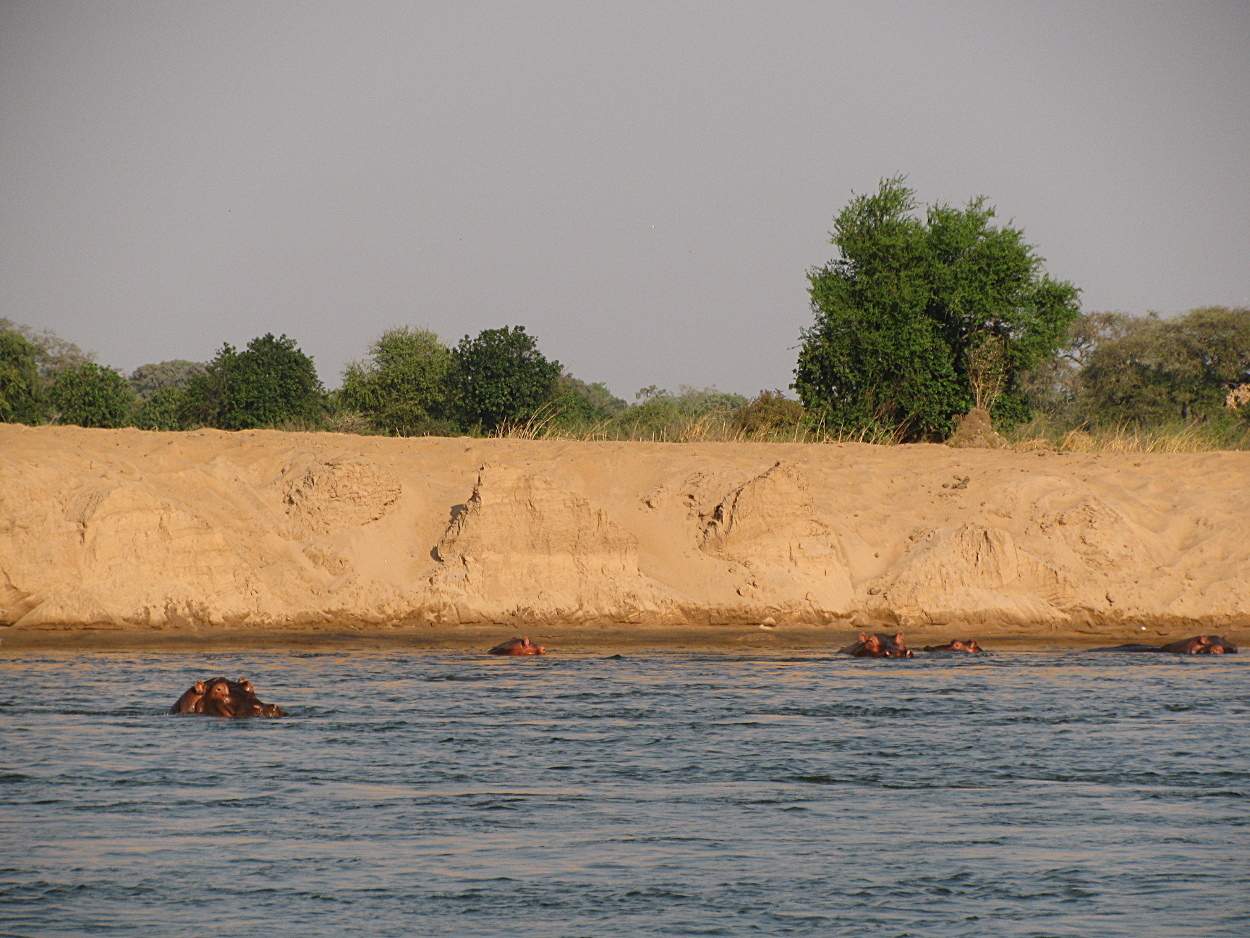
{"points": [[895, 647], [219, 697], [1188, 646], [1216, 645], [518, 646], [879, 646], [872, 645]]}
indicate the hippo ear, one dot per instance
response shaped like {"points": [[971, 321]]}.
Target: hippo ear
{"points": [[199, 687], [898, 638], [863, 637]]}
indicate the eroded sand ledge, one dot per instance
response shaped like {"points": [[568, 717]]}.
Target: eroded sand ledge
{"points": [[209, 535]]}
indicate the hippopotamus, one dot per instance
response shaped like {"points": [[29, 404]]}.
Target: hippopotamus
{"points": [[878, 646], [969, 645], [1197, 645], [518, 646], [218, 697]]}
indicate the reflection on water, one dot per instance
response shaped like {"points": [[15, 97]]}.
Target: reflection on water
{"points": [[443, 794]]}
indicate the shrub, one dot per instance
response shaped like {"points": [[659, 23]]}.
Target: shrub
{"points": [[770, 411], [402, 387], [163, 409], [90, 395], [578, 404]]}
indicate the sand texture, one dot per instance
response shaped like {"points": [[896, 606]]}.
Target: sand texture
{"points": [[215, 531]]}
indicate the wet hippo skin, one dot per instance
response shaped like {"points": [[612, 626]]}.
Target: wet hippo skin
{"points": [[518, 646], [879, 645], [968, 645], [219, 697], [1197, 645]]}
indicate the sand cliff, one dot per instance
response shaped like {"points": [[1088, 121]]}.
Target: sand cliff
{"points": [[125, 529]]}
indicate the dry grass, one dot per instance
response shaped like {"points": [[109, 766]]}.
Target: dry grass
{"points": [[1179, 438], [719, 427], [1193, 437], [702, 428]]}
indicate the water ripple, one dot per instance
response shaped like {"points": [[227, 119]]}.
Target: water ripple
{"points": [[666, 794]]}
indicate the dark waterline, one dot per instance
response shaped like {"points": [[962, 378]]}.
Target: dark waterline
{"points": [[658, 794]]}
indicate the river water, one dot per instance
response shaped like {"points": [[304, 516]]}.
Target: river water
{"points": [[414, 793]]}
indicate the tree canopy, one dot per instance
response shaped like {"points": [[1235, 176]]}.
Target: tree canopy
{"points": [[19, 379], [270, 383], [577, 403], [1151, 370], [146, 380], [91, 395], [501, 378], [402, 387], [920, 319]]}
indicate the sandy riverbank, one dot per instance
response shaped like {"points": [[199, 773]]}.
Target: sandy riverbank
{"points": [[124, 536]]}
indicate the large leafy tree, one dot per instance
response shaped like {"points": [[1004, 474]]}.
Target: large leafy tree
{"points": [[402, 387], [269, 383], [19, 379], [501, 378], [91, 395], [920, 319]]}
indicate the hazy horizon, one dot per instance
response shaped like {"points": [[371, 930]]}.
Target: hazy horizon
{"points": [[643, 187]]}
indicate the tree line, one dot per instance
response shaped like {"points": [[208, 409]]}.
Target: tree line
{"points": [[922, 316], [409, 384]]}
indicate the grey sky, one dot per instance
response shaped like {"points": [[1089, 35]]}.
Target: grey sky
{"points": [[641, 184]]}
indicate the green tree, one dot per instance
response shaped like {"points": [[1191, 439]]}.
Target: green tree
{"points": [[501, 378], [920, 319], [270, 383], [90, 395], [147, 380], [19, 379], [402, 387], [164, 409], [1155, 370], [577, 403], [55, 353], [23, 398]]}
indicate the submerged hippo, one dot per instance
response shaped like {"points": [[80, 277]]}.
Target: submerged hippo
{"points": [[878, 646], [969, 645], [1198, 645], [518, 646], [218, 697]]}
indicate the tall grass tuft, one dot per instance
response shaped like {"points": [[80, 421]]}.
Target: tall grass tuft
{"points": [[714, 427], [1196, 436]]}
